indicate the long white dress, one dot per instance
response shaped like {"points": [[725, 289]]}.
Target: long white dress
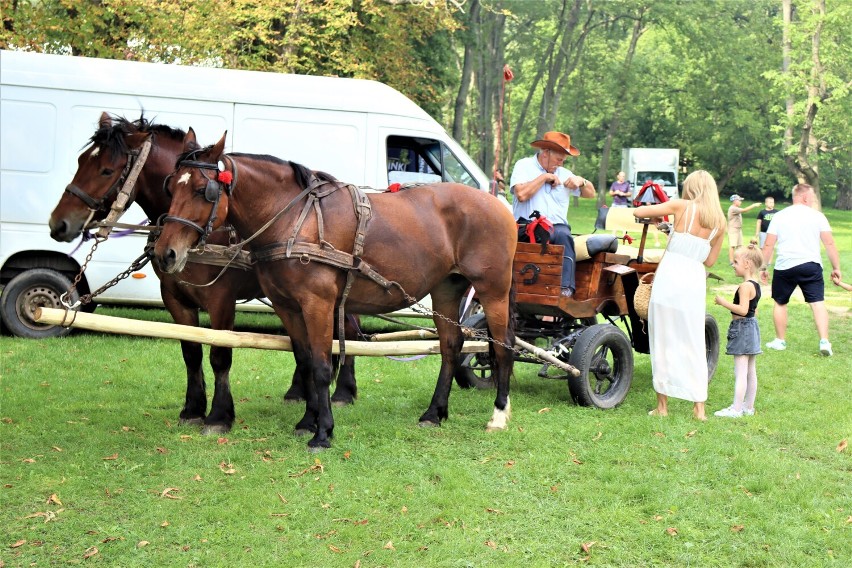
{"points": [[676, 317]]}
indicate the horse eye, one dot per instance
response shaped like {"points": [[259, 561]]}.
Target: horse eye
{"points": [[107, 172]]}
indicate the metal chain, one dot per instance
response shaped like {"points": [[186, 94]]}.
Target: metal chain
{"points": [[135, 266], [480, 334]]}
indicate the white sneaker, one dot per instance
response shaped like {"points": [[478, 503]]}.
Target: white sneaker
{"points": [[748, 412], [729, 413], [825, 347], [779, 344]]}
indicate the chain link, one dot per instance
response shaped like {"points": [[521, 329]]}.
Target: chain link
{"points": [[135, 266]]}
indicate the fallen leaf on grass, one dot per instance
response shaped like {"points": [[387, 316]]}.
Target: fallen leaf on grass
{"points": [[495, 511], [317, 467], [112, 457], [737, 528], [142, 543], [164, 524], [56, 448], [54, 499], [333, 548], [690, 434], [543, 410], [841, 446], [659, 435], [28, 460], [197, 477], [490, 544], [18, 544], [167, 493], [221, 441], [346, 454], [92, 551], [48, 515], [227, 468], [746, 491], [587, 546], [162, 450], [510, 463], [388, 546], [658, 517], [849, 519], [598, 437], [672, 531]]}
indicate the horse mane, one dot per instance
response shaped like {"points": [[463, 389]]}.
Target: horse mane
{"points": [[113, 137]]}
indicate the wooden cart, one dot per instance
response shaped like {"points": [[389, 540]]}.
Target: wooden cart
{"points": [[597, 330]]}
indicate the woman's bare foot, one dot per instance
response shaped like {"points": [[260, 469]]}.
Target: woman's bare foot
{"points": [[698, 411], [658, 412]]}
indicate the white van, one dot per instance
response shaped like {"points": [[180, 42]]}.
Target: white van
{"points": [[362, 132]]}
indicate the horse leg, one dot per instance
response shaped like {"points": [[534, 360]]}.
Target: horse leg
{"points": [[450, 339], [346, 391], [498, 316], [195, 402], [318, 324], [298, 386], [302, 354]]}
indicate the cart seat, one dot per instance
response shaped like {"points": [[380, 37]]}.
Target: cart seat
{"points": [[587, 246]]}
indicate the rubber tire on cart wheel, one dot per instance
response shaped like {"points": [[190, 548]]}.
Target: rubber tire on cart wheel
{"points": [[604, 357], [475, 369], [38, 287], [711, 341]]}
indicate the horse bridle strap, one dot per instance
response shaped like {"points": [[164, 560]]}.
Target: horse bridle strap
{"points": [[98, 204], [119, 206]]}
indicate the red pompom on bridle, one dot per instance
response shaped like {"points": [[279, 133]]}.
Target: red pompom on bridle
{"points": [[225, 177]]}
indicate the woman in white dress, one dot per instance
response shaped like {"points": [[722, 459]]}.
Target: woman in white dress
{"points": [[678, 298]]}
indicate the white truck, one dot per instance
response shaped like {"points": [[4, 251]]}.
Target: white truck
{"points": [[362, 132], [659, 165]]}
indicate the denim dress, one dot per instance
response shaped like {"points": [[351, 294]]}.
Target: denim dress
{"points": [[744, 333]]}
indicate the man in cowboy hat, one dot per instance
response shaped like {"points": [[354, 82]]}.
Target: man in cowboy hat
{"points": [[541, 183]]}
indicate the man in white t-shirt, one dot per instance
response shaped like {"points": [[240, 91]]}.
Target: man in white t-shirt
{"points": [[796, 232], [540, 183]]}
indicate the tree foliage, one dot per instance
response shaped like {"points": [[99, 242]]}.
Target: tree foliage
{"points": [[706, 77]]}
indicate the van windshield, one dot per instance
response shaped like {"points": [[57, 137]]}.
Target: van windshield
{"points": [[660, 178], [422, 160]]}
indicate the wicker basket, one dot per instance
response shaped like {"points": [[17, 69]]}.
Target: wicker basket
{"points": [[642, 297]]}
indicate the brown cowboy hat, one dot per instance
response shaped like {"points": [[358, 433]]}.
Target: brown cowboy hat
{"points": [[556, 141]]}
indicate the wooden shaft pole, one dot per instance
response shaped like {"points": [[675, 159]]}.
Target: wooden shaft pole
{"points": [[548, 357], [224, 338]]}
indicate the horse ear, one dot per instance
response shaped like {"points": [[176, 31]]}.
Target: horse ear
{"points": [[105, 121], [189, 141], [218, 147], [136, 139]]}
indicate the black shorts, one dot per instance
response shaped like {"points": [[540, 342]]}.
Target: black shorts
{"points": [[807, 276]]}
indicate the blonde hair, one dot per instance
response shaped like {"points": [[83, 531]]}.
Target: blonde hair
{"points": [[752, 254], [700, 187]]}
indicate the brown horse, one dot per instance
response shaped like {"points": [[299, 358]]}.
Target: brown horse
{"points": [[313, 249], [100, 174]]}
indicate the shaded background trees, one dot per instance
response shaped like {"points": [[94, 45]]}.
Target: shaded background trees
{"points": [[755, 91]]}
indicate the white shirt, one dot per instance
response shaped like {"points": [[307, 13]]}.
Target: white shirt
{"points": [[552, 202], [798, 229]]}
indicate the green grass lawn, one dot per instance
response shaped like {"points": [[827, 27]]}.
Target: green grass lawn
{"points": [[96, 471]]}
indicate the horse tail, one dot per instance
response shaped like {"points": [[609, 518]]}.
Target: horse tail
{"points": [[513, 312]]}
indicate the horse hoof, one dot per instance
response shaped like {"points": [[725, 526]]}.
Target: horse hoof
{"points": [[215, 429], [191, 421], [429, 424]]}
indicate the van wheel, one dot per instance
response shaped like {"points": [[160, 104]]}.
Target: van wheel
{"points": [[35, 288]]}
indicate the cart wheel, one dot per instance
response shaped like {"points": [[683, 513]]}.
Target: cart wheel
{"points": [[475, 369], [605, 359], [711, 340], [35, 288], [467, 312]]}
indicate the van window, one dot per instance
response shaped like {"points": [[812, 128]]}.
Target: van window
{"points": [[423, 160], [660, 178], [23, 152]]}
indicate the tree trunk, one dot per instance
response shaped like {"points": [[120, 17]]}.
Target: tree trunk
{"points": [[620, 91], [467, 71]]}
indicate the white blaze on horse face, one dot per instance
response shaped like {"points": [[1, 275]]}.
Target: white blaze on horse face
{"points": [[95, 152], [184, 179], [500, 418]]}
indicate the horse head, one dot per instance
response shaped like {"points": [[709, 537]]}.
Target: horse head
{"points": [[101, 171], [199, 187]]}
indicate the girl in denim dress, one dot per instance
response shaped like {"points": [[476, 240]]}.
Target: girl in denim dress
{"points": [[744, 333]]}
